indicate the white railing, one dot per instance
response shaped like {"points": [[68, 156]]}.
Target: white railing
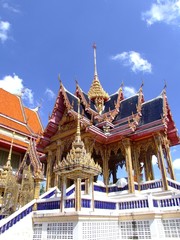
{"points": [[11, 220]]}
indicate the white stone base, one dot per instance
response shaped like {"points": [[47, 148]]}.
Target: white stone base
{"points": [[104, 227]]}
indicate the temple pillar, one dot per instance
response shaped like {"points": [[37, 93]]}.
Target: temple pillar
{"points": [[91, 191], [78, 194], [160, 156], [58, 155], [127, 146], [48, 174], [146, 170], [63, 192], [148, 166], [136, 165], [106, 170], [86, 186], [150, 174], [169, 159]]}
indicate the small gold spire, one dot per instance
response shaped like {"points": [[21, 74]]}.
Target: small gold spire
{"points": [[96, 92], [78, 132], [10, 151], [8, 167]]}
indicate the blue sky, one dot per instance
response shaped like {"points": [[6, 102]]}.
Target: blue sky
{"points": [[136, 41]]}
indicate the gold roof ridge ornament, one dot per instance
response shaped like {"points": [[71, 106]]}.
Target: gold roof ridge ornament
{"points": [[96, 92], [78, 163]]}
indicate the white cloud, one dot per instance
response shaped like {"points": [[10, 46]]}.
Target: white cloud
{"points": [[14, 84], [129, 91], [173, 149], [50, 94], [10, 8], [167, 11], [134, 60], [28, 95], [176, 164], [154, 160], [4, 29]]}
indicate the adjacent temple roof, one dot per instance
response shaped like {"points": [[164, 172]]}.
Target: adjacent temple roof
{"points": [[110, 118], [14, 117]]}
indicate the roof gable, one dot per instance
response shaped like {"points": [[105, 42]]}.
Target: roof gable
{"points": [[10, 105], [15, 116], [33, 120]]}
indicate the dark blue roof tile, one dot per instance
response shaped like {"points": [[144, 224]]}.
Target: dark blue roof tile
{"points": [[127, 107], [152, 111]]}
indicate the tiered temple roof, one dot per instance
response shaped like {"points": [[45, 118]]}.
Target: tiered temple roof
{"points": [[131, 117], [111, 118], [14, 117]]}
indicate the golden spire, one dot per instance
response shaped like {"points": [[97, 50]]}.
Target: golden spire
{"points": [[79, 162], [8, 163], [78, 133], [95, 66], [96, 92]]}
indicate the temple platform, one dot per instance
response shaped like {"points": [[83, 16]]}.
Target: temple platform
{"points": [[112, 213]]}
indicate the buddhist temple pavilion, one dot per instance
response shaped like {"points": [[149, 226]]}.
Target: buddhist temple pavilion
{"points": [[116, 131], [100, 179]]}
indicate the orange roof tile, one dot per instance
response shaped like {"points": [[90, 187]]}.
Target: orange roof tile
{"points": [[14, 125], [33, 120], [10, 105], [15, 141]]}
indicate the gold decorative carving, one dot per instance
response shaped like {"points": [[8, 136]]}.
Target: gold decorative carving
{"points": [[67, 126], [27, 187], [34, 161], [10, 198], [165, 110], [78, 161], [136, 117], [89, 144]]}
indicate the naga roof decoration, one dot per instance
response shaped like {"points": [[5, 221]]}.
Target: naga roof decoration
{"points": [[136, 117], [31, 158], [170, 128], [88, 104]]}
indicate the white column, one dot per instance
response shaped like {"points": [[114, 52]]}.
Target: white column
{"points": [[63, 193]]}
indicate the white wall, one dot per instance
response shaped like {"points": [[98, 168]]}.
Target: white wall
{"points": [[22, 230]]}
